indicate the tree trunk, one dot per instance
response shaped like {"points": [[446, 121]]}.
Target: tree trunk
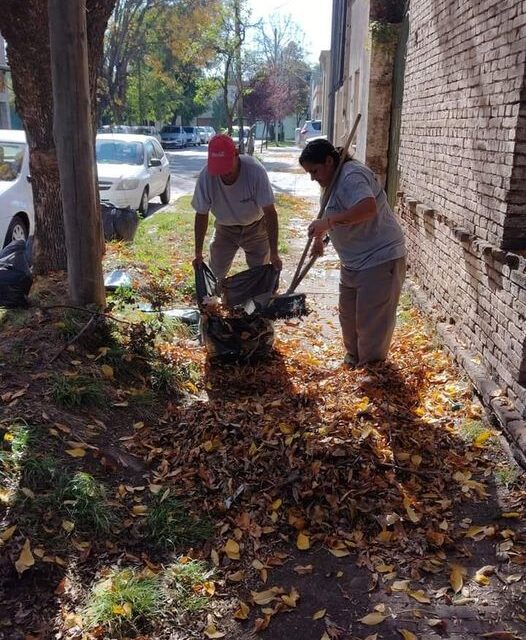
{"points": [[73, 134], [24, 27]]}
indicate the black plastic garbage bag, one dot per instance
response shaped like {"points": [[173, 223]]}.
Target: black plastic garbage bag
{"points": [[245, 338], [254, 282], [205, 282], [15, 275], [240, 337], [119, 224]]}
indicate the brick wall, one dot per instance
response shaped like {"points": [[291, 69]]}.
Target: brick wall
{"points": [[461, 138], [463, 175], [473, 285]]}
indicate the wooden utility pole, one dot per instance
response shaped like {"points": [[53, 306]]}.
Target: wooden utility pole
{"points": [[239, 78], [74, 139]]}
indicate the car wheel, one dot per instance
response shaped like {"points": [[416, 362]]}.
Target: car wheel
{"points": [[165, 195], [143, 207], [17, 230]]}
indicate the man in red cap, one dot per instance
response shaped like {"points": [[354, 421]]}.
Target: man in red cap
{"points": [[237, 191]]}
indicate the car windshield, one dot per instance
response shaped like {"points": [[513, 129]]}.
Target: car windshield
{"points": [[189, 129], [171, 130], [11, 156], [117, 152], [316, 125]]}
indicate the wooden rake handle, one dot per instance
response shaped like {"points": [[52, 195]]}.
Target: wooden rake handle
{"points": [[301, 272]]}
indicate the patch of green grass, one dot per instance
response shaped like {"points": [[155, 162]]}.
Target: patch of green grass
{"points": [[76, 391], [183, 579], [16, 439], [470, 430], [40, 472], [166, 378], [172, 328], [14, 318], [85, 501], [122, 296], [404, 313], [124, 601], [71, 323], [506, 474], [168, 525]]}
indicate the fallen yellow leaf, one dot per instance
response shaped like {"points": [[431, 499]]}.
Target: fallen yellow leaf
{"points": [[7, 533], [456, 577], [25, 559], [264, 597], [420, 596], [407, 635], [291, 599], [210, 587], [77, 452], [212, 632], [124, 609], [107, 371], [68, 526], [139, 510], [231, 549], [372, 618], [303, 542], [318, 615], [241, 613]]}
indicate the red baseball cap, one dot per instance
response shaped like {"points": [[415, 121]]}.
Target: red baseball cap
{"points": [[221, 154]]}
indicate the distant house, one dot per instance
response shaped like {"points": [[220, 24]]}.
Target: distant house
{"points": [[5, 121]]}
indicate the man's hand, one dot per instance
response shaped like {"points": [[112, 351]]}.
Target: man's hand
{"points": [[318, 228], [276, 262], [199, 259], [317, 248]]}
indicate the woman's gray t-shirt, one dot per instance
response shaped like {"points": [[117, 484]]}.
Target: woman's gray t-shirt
{"points": [[239, 203], [372, 242]]}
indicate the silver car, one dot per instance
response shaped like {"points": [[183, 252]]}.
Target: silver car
{"points": [[192, 136], [173, 137]]}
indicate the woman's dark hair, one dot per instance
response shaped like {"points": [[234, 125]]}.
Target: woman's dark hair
{"points": [[317, 151]]}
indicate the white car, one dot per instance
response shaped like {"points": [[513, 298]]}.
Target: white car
{"points": [[132, 169], [17, 215], [311, 129]]}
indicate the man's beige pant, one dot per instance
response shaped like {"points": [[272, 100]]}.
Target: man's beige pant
{"points": [[368, 301], [226, 241]]}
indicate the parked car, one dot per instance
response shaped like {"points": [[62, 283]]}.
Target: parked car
{"points": [[204, 135], [115, 128], [17, 215], [311, 129], [132, 169], [173, 137], [211, 132], [192, 136], [144, 130]]}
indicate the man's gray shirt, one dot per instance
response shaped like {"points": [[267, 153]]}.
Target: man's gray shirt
{"points": [[234, 204], [372, 242]]}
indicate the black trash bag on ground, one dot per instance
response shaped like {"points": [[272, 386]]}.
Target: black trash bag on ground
{"points": [[240, 337], [15, 275], [244, 338], [119, 224], [248, 284]]}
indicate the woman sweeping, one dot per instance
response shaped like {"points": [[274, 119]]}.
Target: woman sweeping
{"points": [[370, 244]]}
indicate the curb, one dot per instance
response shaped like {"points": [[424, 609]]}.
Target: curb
{"points": [[494, 399]]}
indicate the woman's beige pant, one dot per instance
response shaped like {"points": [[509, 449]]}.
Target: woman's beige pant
{"points": [[252, 238], [368, 301]]}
